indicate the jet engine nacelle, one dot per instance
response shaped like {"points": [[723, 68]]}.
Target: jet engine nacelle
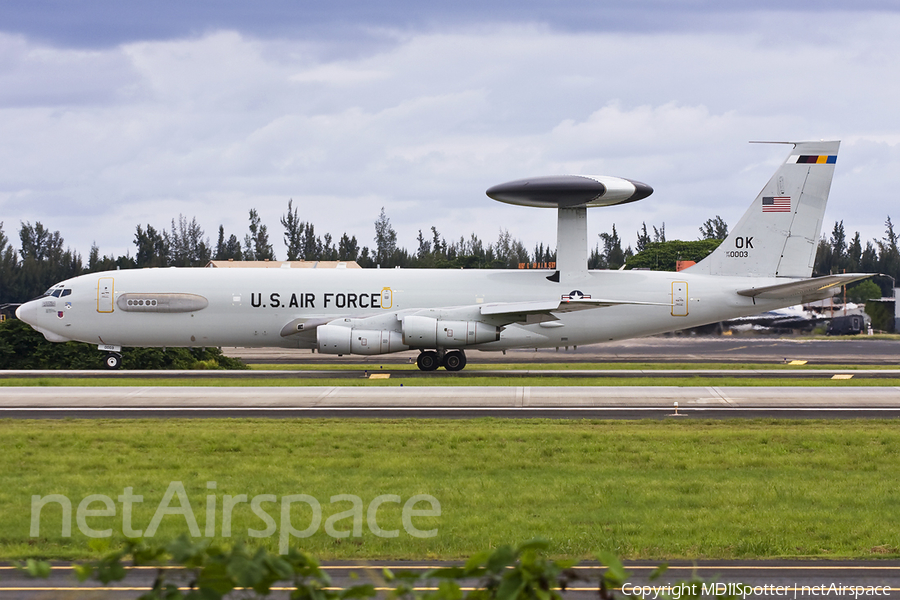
{"points": [[333, 339], [427, 332]]}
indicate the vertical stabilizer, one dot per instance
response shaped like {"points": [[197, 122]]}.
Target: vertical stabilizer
{"points": [[778, 235]]}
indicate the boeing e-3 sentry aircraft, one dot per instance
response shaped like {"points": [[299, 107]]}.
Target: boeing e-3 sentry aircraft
{"points": [[764, 264]]}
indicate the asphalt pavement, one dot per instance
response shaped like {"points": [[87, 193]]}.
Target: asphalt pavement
{"points": [[857, 350], [397, 400], [813, 580]]}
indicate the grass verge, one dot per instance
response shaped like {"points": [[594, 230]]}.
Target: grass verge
{"points": [[648, 490]]}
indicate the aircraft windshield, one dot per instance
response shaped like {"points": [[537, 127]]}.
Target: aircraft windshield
{"points": [[56, 292]]}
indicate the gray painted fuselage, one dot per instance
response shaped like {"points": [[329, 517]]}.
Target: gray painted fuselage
{"points": [[251, 307]]}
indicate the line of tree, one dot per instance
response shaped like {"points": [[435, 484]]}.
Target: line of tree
{"points": [[42, 258], [838, 255], [21, 347]]}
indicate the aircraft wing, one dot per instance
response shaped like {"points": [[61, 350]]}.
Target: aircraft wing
{"points": [[499, 314], [815, 286], [543, 310], [563, 306]]}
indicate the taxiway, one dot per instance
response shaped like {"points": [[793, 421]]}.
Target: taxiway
{"points": [[396, 401], [857, 350]]}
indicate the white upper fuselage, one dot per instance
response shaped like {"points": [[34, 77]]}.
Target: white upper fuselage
{"points": [[253, 307]]}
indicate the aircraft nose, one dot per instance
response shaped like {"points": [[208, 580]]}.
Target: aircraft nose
{"points": [[28, 312]]}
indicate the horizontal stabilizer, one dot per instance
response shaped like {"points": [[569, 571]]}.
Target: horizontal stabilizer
{"points": [[803, 287]]}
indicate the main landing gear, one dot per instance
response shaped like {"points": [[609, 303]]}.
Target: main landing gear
{"points": [[429, 360]]}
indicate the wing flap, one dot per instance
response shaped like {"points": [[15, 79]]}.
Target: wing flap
{"points": [[541, 306], [512, 312]]}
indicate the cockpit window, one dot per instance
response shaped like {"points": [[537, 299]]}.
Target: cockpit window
{"points": [[56, 291]]}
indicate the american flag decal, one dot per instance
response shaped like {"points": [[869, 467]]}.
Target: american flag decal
{"points": [[776, 204]]}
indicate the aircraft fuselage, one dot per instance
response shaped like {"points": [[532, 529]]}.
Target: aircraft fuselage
{"points": [[194, 307], [765, 263]]}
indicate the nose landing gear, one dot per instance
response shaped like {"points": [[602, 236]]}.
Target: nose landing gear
{"points": [[113, 361], [429, 360]]}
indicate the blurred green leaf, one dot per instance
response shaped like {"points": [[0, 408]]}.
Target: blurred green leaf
{"points": [[38, 569]]}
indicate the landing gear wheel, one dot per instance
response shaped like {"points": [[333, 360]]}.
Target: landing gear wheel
{"points": [[428, 361], [455, 360], [113, 361]]}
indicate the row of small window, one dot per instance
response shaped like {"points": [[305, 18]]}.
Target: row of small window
{"points": [[142, 303]]}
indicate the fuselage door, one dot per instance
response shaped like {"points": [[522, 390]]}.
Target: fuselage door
{"points": [[679, 298], [387, 297], [105, 295]]}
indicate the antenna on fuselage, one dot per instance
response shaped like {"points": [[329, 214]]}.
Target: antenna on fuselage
{"points": [[571, 195]]}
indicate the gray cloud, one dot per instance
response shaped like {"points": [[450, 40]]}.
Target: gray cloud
{"points": [[97, 141], [104, 23]]}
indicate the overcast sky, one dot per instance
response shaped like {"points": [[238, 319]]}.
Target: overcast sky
{"points": [[114, 114]]}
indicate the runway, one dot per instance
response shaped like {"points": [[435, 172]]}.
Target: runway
{"points": [[397, 401], [357, 399], [858, 350]]}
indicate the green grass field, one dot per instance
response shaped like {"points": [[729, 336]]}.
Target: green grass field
{"points": [[648, 489]]}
